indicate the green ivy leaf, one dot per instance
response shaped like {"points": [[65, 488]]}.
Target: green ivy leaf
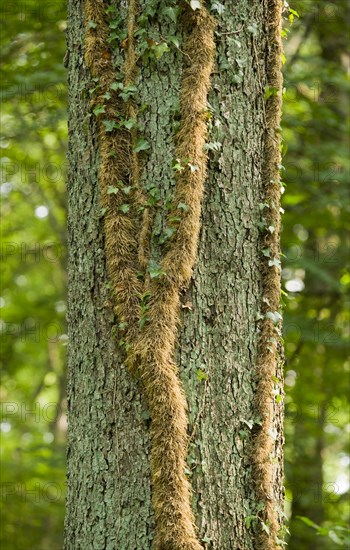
{"points": [[112, 190], [201, 375], [270, 91], [110, 125], [195, 4], [172, 13], [217, 6], [130, 123], [117, 86], [154, 269], [160, 49], [124, 208], [98, 110], [141, 145]]}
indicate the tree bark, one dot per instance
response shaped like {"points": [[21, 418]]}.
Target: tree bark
{"points": [[109, 485]]}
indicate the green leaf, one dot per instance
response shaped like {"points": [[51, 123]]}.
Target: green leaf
{"points": [[309, 522], [112, 190], [201, 375], [220, 8], [174, 40], [130, 123], [154, 269], [92, 25], [182, 206], [98, 110], [253, 29], [270, 91], [195, 4], [160, 49], [110, 125], [117, 86], [294, 12], [213, 146], [141, 145], [145, 415], [275, 262], [177, 165], [124, 208], [172, 13], [274, 316]]}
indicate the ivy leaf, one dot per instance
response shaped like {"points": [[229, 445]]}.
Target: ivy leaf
{"points": [[141, 145], [213, 146], [167, 234], [182, 206], [270, 91], [130, 123], [192, 167], [172, 13], [266, 252], [117, 86], [175, 41], [124, 208], [92, 25], [201, 375], [112, 190], [252, 29], [145, 415], [217, 6], [274, 316], [154, 269], [177, 165], [128, 91], [195, 4], [275, 262], [110, 125], [160, 49], [98, 110], [127, 189]]}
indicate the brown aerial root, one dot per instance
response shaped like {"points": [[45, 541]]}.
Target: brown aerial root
{"points": [[121, 233], [268, 353], [152, 347]]}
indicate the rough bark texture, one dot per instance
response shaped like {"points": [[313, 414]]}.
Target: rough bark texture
{"points": [[109, 492]]}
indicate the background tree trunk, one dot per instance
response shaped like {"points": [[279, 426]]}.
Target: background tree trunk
{"points": [[109, 491]]}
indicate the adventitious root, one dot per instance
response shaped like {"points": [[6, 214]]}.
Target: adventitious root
{"points": [[268, 353]]}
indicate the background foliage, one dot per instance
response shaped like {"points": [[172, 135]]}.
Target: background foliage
{"points": [[33, 285]]}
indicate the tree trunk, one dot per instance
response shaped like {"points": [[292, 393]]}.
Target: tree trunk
{"points": [[219, 341]]}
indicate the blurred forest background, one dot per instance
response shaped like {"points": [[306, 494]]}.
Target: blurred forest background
{"points": [[33, 283]]}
